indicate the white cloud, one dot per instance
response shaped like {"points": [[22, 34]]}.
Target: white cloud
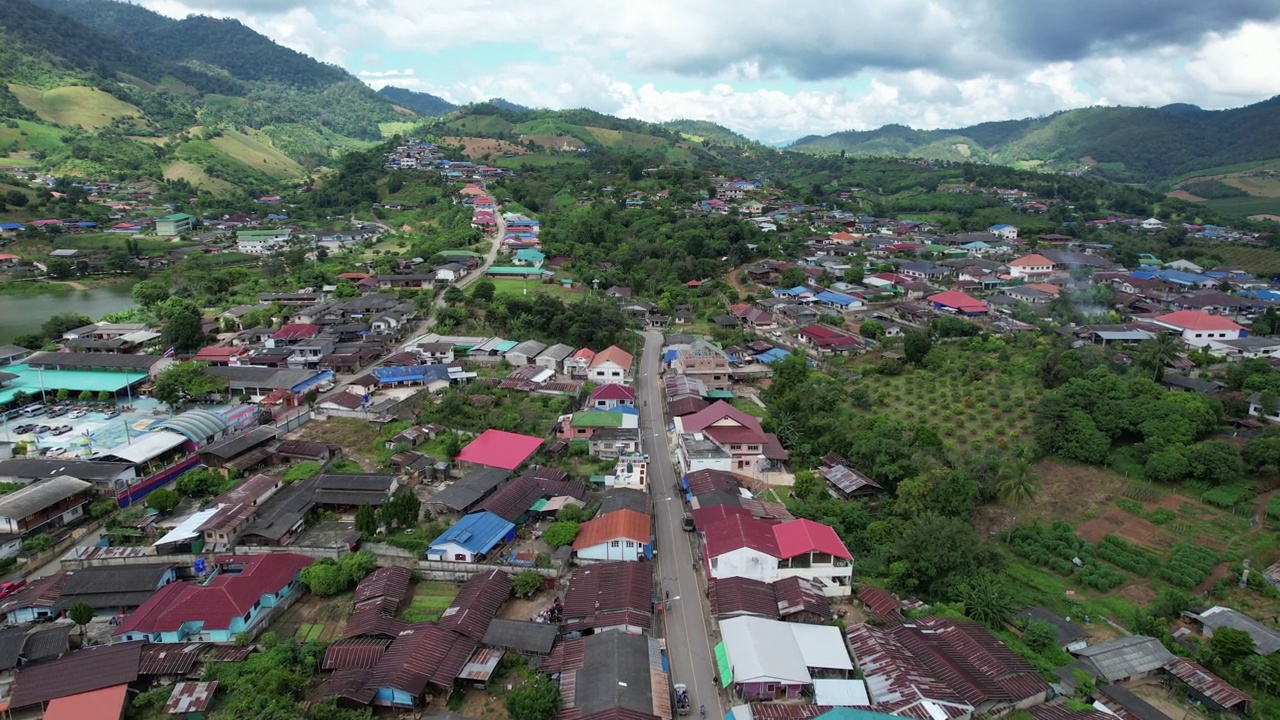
{"points": [[778, 69]]}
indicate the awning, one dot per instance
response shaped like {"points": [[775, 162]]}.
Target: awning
{"points": [[722, 664]]}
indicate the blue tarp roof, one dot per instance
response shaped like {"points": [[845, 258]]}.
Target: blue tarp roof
{"points": [[797, 290], [669, 355], [11, 226], [477, 533], [772, 356], [410, 373]]}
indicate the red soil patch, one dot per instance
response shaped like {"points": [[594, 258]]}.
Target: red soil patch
{"points": [[475, 148], [1132, 528], [1138, 592]]}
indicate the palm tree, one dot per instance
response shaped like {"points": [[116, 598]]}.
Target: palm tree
{"points": [[1158, 351], [1016, 485]]}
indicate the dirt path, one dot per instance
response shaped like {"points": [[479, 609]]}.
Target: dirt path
{"points": [[1260, 509], [70, 283]]}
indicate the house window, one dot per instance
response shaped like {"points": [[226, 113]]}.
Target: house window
{"points": [[615, 373], [715, 563], [459, 557], [1199, 334], [735, 447], [615, 543], [753, 448], [631, 543]]}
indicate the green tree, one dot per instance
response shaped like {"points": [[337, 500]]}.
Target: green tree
{"points": [[484, 290], [185, 382], [86, 396], [526, 583], [871, 329], [81, 613], [37, 543], [54, 327], [105, 396], [345, 290], [149, 293], [1017, 486], [1156, 353], [1168, 465], [1214, 462], [199, 482], [855, 273], [792, 277], [572, 513], [367, 521], [62, 395], [163, 500], [324, 578], [560, 533], [916, 346], [401, 511], [1229, 645], [184, 331], [986, 599], [1040, 636], [537, 699]]}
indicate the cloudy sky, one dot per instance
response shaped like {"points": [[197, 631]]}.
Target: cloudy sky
{"points": [[777, 70]]}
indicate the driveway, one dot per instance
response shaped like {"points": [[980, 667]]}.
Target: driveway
{"points": [[686, 617]]}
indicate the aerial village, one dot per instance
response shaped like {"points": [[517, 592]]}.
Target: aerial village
{"points": [[626, 520]]}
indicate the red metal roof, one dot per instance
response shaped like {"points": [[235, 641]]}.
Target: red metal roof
{"points": [[1197, 320], [374, 617], [477, 604], [500, 449], [104, 704], [616, 525], [721, 412], [611, 587], [354, 653], [227, 595], [169, 658], [959, 301], [76, 673], [825, 337], [703, 481], [389, 582], [738, 532], [880, 604], [513, 499], [798, 537], [296, 331], [742, 596], [614, 354], [422, 654], [613, 391], [1207, 684]]}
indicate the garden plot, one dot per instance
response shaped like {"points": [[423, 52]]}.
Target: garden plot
{"points": [[314, 619]]}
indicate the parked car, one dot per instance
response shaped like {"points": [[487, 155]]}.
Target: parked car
{"points": [[15, 413], [109, 414], [62, 430], [57, 452], [24, 429], [57, 412], [42, 429], [688, 524], [76, 414], [9, 588]]}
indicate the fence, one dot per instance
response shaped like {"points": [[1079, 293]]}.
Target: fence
{"points": [[292, 421]]}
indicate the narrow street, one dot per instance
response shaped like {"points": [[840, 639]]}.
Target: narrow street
{"points": [[686, 616]]}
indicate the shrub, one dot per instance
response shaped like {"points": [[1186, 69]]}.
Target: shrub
{"points": [[1226, 496], [1188, 566], [1129, 506], [560, 533], [1125, 556], [1161, 516]]}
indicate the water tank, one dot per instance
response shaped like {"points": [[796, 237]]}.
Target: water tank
{"points": [[199, 566]]}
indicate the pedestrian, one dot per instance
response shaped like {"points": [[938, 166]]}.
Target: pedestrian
{"points": [[668, 595]]}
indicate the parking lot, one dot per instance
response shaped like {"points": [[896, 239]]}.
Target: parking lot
{"points": [[92, 429]]}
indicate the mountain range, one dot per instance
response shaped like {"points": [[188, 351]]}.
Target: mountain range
{"points": [[1127, 144]]}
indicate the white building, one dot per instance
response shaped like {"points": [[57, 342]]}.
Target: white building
{"points": [[618, 535], [741, 546], [1199, 328], [1004, 231], [611, 365]]}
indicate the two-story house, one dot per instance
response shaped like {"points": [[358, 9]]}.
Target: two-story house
{"points": [[433, 353], [237, 595], [743, 546], [737, 434], [708, 364], [611, 365], [1031, 266]]}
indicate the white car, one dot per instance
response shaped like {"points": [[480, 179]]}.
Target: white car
{"points": [[325, 387], [76, 414], [57, 452]]}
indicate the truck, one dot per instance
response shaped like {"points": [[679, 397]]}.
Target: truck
{"points": [[683, 703]]}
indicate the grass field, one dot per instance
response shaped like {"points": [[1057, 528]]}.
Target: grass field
{"points": [[389, 129], [539, 160], [624, 139], [307, 632], [183, 170], [89, 108], [256, 151], [513, 286], [480, 124], [1263, 262], [1242, 207], [429, 600], [31, 136], [970, 408]]}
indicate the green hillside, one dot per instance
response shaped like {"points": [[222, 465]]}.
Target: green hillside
{"points": [[110, 88], [701, 130], [1146, 145], [422, 103]]}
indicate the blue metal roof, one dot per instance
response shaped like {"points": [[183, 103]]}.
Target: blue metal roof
{"points": [[772, 356], [410, 373], [477, 533], [1181, 278], [835, 298], [797, 290]]}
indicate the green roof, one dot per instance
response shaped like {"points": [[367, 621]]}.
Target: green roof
{"points": [[251, 234], [849, 713], [508, 270], [596, 418], [30, 380], [537, 507], [719, 395], [722, 664], [176, 217], [598, 479]]}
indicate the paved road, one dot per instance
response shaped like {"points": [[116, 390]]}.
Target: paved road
{"points": [[686, 617]]}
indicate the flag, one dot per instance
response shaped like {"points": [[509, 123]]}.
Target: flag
{"points": [[169, 353]]}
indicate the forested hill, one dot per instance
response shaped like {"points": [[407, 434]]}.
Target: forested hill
{"points": [[422, 103], [1148, 145], [109, 89]]}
